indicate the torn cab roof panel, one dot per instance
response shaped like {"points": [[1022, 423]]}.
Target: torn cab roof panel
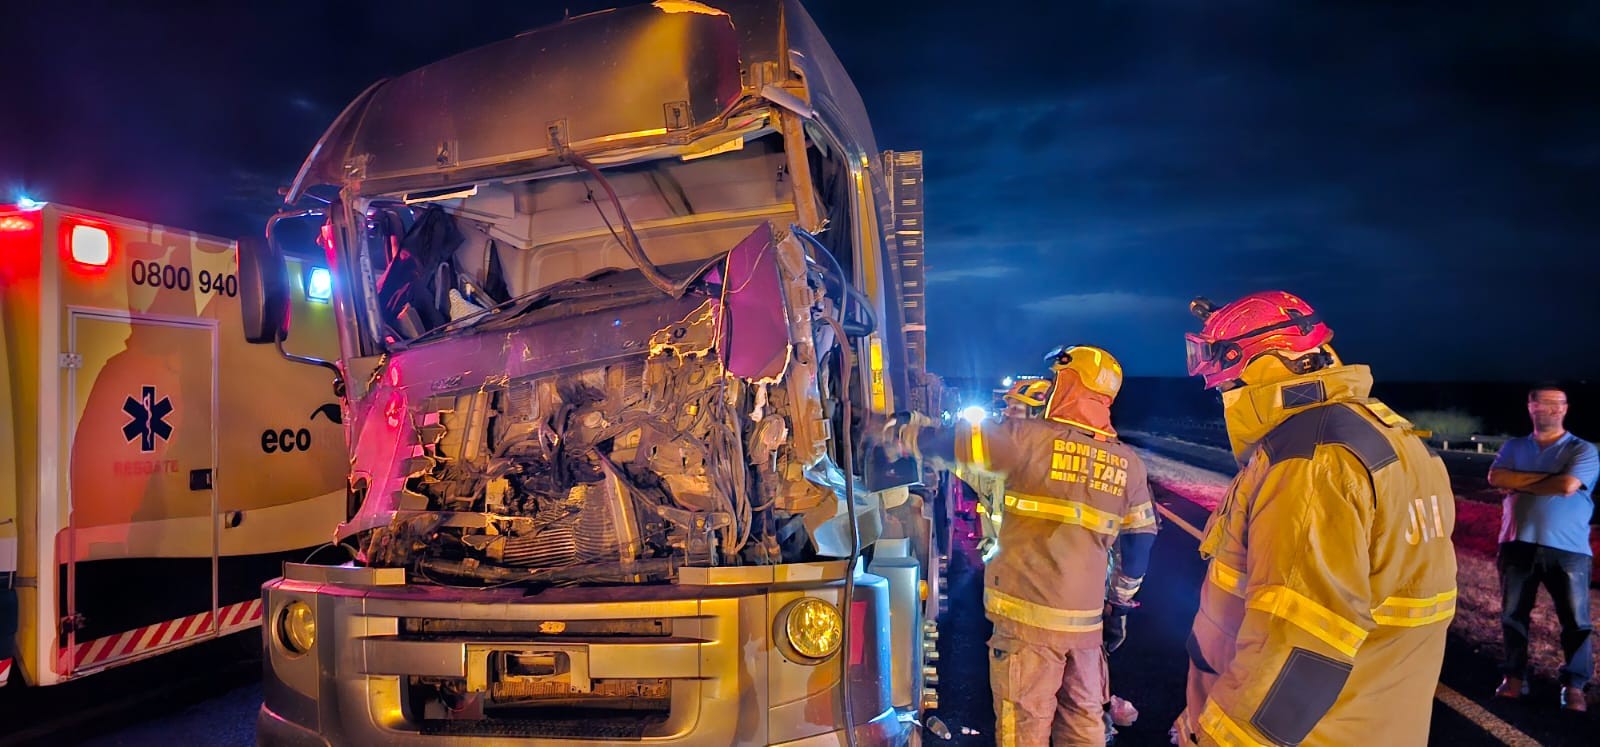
{"points": [[492, 112]]}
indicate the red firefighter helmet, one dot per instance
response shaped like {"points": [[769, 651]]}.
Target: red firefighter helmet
{"points": [[1266, 323]]}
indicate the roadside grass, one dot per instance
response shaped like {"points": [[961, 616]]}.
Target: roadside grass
{"points": [[1455, 423], [1477, 530]]}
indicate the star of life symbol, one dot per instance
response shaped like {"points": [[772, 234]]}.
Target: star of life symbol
{"points": [[148, 419]]}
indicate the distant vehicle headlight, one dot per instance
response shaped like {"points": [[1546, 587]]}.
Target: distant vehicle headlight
{"points": [[297, 628], [812, 627]]}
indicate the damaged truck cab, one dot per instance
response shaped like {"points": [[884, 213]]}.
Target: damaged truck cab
{"points": [[616, 298]]}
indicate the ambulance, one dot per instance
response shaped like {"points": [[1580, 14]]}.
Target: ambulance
{"points": [[154, 468]]}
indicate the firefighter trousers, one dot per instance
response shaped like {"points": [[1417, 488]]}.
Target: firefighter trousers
{"points": [[1047, 696]]}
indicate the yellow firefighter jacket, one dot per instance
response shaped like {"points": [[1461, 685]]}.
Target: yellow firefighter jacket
{"points": [[1069, 492], [989, 491], [1332, 577]]}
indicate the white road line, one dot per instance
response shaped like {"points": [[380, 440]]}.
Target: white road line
{"points": [[1490, 723]]}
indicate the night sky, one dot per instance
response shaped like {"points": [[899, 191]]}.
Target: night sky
{"points": [[1427, 176]]}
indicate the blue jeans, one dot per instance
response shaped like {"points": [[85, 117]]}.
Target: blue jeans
{"points": [[1524, 567]]}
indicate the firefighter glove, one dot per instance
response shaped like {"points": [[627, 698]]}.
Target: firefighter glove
{"points": [[899, 434], [1114, 628]]}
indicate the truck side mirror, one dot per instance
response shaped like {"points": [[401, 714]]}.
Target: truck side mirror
{"points": [[263, 291]]}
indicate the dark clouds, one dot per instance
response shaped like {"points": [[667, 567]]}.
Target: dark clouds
{"points": [[1426, 175]]}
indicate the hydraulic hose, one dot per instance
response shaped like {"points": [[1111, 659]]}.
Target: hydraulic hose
{"points": [[847, 706], [847, 291], [630, 239]]}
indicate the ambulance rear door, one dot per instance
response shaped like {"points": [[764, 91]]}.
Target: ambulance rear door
{"points": [[140, 376]]}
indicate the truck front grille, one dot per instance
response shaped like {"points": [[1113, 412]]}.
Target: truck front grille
{"points": [[632, 628], [631, 695], [618, 724]]}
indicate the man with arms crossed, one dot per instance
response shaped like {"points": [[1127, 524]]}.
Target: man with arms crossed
{"points": [[1548, 478]]}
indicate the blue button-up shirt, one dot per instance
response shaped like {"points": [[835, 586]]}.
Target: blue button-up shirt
{"points": [[1558, 521]]}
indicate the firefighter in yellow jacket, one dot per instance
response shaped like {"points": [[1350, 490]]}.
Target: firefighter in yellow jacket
{"points": [[1025, 399], [1332, 578], [1071, 491]]}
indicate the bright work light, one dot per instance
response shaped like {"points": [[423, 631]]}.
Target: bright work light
{"points": [[319, 285]]}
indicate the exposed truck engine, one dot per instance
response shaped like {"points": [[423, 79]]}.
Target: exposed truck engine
{"points": [[627, 471]]}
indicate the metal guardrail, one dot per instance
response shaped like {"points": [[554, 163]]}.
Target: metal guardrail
{"points": [[1179, 423], [1210, 428], [1478, 443]]}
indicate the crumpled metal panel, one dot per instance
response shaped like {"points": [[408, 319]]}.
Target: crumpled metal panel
{"points": [[636, 71], [485, 113], [828, 86], [755, 325], [388, 438]]}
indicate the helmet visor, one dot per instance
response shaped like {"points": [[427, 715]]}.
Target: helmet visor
{"points": [[1198, 352], [1206, 357]]}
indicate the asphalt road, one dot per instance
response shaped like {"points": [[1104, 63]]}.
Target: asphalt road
{"points": [[188, 697], [205, 695], [1150, 668]]}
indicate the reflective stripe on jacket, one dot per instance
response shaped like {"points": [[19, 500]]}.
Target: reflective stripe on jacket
{"points": [[1069, 494], [1331, 584]]}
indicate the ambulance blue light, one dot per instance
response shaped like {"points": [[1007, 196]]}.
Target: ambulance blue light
{"points": [[1007, 381], [26, 203], [319, 286]]}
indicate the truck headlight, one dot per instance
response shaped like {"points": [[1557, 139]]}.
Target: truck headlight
{"points": [[297, 628], [812, 627]]}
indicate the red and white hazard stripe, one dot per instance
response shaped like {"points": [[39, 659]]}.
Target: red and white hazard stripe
{"points": [[163, 634], [241, 615], [5, 671]]}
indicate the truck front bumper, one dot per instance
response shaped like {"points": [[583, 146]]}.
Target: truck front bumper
{"points": [[272, 730], [706, 654]]}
